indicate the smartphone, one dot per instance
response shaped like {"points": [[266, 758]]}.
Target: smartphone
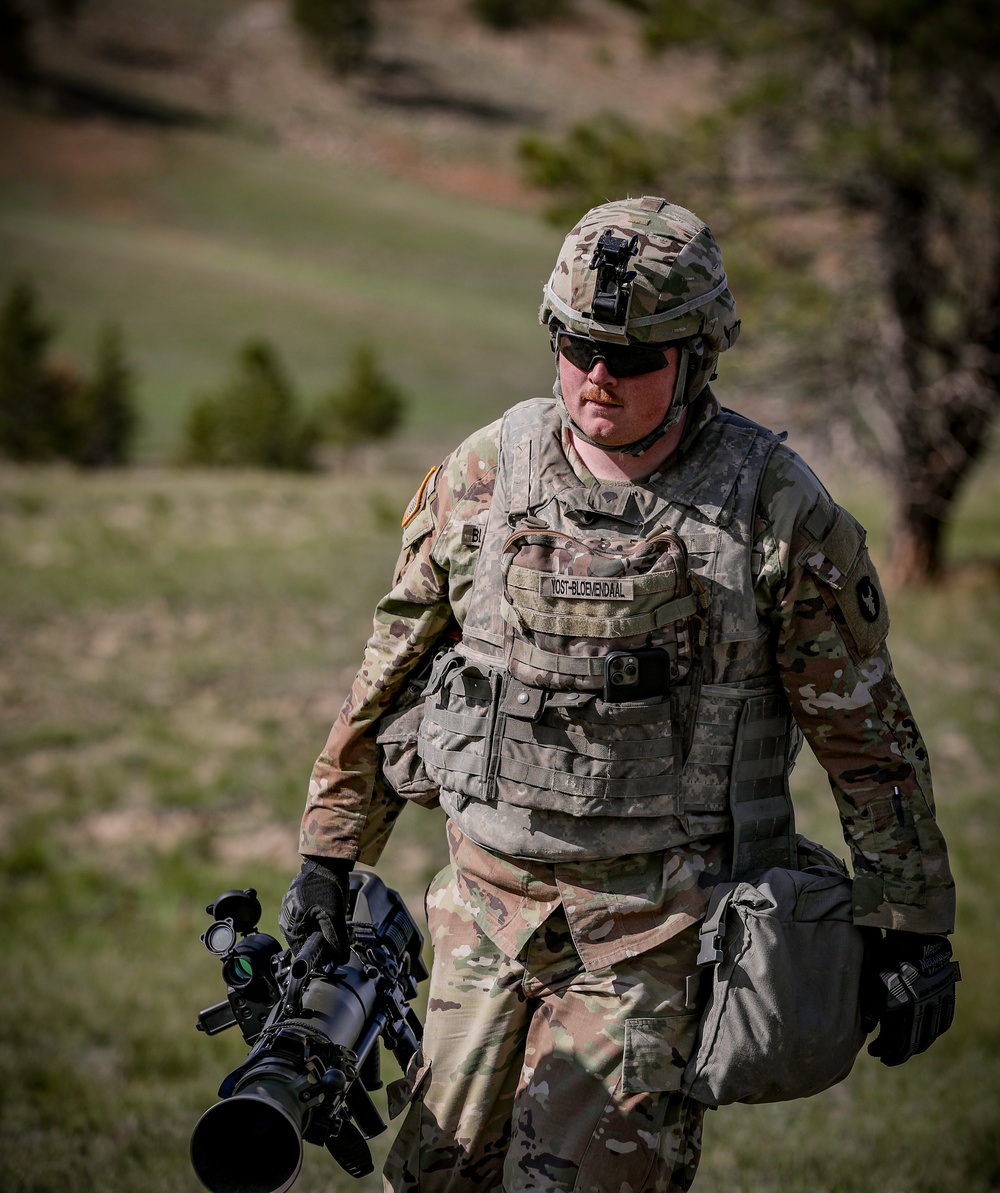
{"points": [[636, 675]]}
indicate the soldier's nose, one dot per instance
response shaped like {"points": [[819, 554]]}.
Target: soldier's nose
{"points": [[600, 374]]}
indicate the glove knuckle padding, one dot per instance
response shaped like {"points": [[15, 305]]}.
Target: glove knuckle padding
{"points": [[918, 977], [315, 901]]}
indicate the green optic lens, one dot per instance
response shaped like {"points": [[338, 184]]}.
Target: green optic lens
{"points": [[238, 971]]}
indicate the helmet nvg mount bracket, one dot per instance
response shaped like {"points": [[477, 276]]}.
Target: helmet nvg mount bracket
{"points": [[614, 278]]}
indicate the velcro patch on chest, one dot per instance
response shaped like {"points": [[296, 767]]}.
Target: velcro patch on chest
{"points": [[586, 588], [472, 534]]}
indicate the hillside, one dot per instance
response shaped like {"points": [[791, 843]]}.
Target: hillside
{"points": [[443, 99], [196, 177]]}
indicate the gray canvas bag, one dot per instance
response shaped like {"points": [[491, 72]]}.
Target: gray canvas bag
{"points": [[785, 961]]}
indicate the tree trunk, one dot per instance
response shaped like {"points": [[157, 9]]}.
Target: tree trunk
{"points": [[941, 394], [915, 545]]}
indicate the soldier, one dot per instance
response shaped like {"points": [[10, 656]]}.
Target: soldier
{"points": [[616, 613]]}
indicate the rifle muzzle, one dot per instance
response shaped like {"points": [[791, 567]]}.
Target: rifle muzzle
{"points": [[249, 1143]]}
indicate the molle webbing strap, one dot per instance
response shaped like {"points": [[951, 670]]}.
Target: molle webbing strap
{"points": [[763, 818], [523, 468], [589, 795], [559, 739], [566, 664], [463, 762]]}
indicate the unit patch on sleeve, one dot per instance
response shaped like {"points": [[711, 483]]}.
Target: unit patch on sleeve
{"points": [[869, 601], [840, 561], [417, 501]]}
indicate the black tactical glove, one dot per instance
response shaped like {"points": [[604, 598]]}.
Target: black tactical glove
{"points": [[915, 980], [317, 901]]}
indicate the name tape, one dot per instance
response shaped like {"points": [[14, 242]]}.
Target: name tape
{"points": [[586, 588]]}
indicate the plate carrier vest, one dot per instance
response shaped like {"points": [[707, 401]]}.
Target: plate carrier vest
{"points": [[530, 758]]}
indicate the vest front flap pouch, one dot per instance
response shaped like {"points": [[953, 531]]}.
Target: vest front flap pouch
{"points": [[569, 600], [783, 1018], [455, 736]]}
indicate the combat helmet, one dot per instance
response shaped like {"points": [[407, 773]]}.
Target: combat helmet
{"points": [[646, 271]]}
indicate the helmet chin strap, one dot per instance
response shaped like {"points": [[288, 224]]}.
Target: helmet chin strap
{"points": [[678, 404]]}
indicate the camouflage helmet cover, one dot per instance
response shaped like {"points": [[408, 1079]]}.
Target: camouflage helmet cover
{"points": [[679, 289]]}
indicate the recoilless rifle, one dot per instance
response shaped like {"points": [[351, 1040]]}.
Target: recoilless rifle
{"points": [[314, 1028]]}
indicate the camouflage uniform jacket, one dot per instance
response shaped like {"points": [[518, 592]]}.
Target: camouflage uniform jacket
{"points": [[846, 702]]}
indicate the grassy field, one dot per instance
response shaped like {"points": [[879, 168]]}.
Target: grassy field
{"points": [[175, 646]]}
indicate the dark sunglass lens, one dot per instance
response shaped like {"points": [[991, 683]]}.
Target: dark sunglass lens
{"points": [[580, 353], [634, 361], [622, 361]]}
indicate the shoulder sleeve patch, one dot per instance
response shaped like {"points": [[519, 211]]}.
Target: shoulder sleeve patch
{"points": [[418, 499], [840, 560]]}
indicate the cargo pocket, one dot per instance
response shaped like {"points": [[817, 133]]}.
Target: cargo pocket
{"points": [[402, 766], [399, 755], [656, 1052]]}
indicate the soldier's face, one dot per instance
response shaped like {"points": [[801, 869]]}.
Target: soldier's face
{"points": [[613, 410]]}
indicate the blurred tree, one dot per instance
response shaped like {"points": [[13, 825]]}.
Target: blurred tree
{"points": [[47, 409], [513, 14], [887, 112], [342, 31], [35, 397], [104, 413], [255, 420], [15, 51], [607, 156], [365, 407], [18, 19]]}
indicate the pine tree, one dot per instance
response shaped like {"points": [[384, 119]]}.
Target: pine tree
{"points": [[33, 397], [255, 420], [105, 417], [366, 407]]}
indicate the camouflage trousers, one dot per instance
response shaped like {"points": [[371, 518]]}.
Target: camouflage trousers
{"points": [[537, 1075]]}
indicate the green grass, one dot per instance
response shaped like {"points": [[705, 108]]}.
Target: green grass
{"points": [[207, 240], [175, 646]]}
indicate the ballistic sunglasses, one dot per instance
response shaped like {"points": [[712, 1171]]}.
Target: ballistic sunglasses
{"points": [[622, 360]]}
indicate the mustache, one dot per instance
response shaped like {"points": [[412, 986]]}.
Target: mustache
{"points": [[594, 393]]}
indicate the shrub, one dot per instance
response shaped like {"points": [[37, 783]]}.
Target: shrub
{"points": [[366, 406], [255, 420], [513, 14], [341, 31]]}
